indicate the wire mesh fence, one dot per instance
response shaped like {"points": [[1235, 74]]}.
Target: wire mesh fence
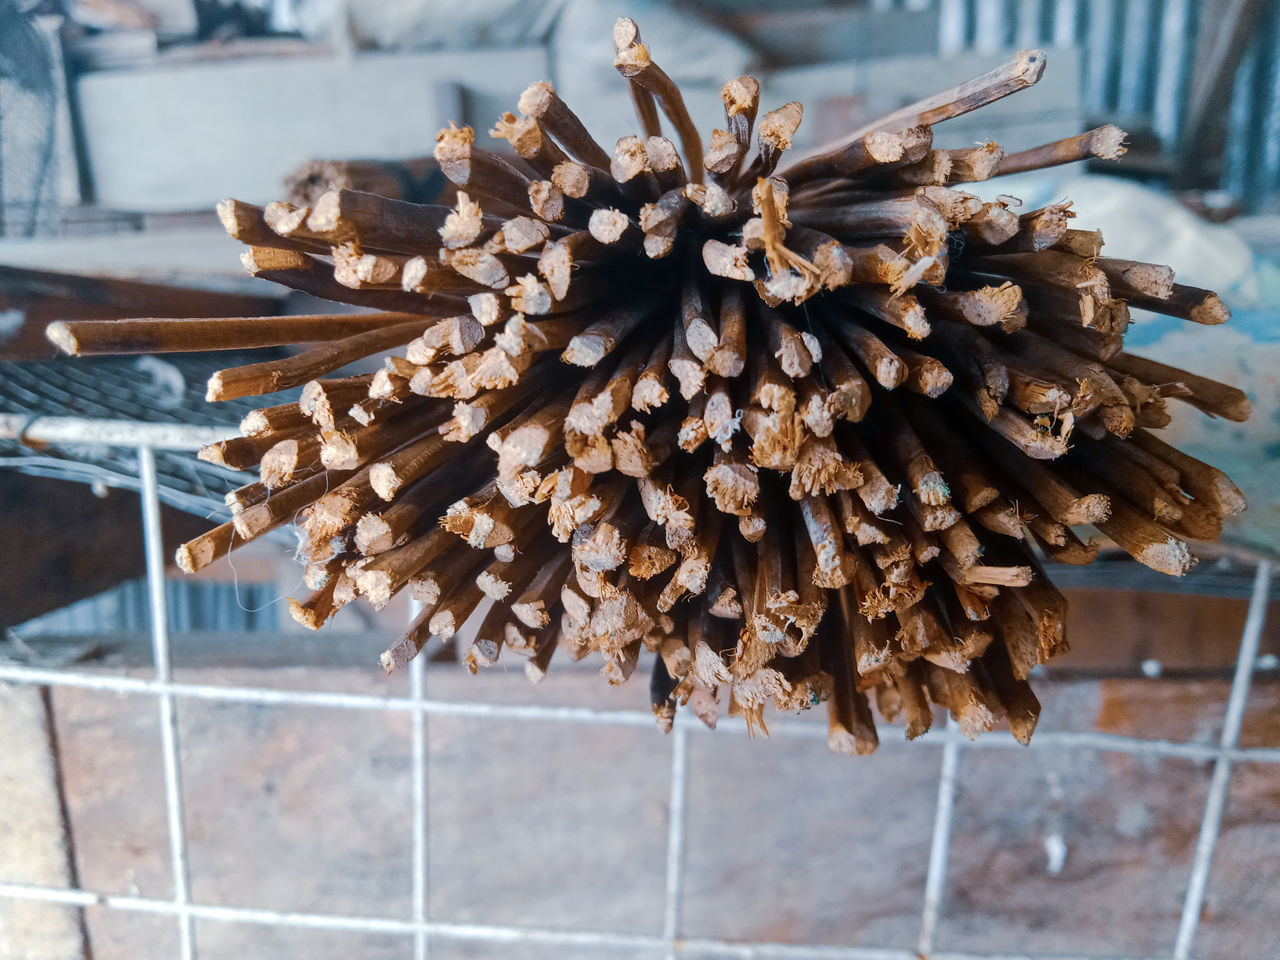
{"points": [[420, 930]]}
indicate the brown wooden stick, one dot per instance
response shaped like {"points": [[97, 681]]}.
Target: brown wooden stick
{"points": [[1145, 541], [602, 336], [876, 357], [195, 555], [478, 170], [856, 157], [529, 142], [1018, 74], [542, 103], [271, 375], [1207, 484], [247, 223], [993, 225], [380, 223], [1209, 396], [156, 335], [1187, 303], [242, 453], [1019, 702], [972, 164], [284, 460], [903, 312], [315, 277], [265, 420], [1105, 142], [324, 400]]}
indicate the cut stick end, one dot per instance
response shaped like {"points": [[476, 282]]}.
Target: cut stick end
{"points": [[607, 225], [849, 743], [584, 350], [212, 453], [1172, 557], [1108, 143], [383, 479], [537, 98], [1211, 311], [304, 616], [214, 389], [375, 586], [59, 334], [186, 560], [1029, 66], [398, 655], [254, 424], [226, 209], [740, 95]]}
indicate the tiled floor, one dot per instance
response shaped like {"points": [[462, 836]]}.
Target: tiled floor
{"points": [[548, 824]]}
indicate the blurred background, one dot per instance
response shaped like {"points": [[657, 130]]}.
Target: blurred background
{"points": [[281, 822]]}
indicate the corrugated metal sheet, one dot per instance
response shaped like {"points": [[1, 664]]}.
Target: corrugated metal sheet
{"points": [[192, 606], [1137, 63]]}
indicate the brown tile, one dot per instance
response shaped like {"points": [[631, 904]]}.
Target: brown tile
{"points": [[548, 824], [790, 842], [1181, 710], [1155, 709], [1118, 629], [297, 808], [131, 935], [1129, 826], [1261, 726], [239, 941], [113, 777], [446, 949], [1239, 916]]}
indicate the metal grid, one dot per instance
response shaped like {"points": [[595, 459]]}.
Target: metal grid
{"points": [[420, 928]]}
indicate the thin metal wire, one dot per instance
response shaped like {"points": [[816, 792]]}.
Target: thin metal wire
{"points": [[154, 545], [421, 888], [1211, 822], [785, 728], [492, 933], [677, 817], [935, 883]]}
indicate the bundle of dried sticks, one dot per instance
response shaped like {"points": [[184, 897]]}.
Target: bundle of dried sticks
{"points": [[805, 430]]}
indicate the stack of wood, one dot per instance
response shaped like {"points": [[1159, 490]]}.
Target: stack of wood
{"points": [[806, 430]]}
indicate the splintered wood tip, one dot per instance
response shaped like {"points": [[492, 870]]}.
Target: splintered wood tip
{"points": [[326, 212], [61, 336], [304, 615], [537, 98], [1029, 65], [779, 126], [740, 95], [227, 216], [1108, 142], [185, 561], [625, 33], [453, 143]]}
